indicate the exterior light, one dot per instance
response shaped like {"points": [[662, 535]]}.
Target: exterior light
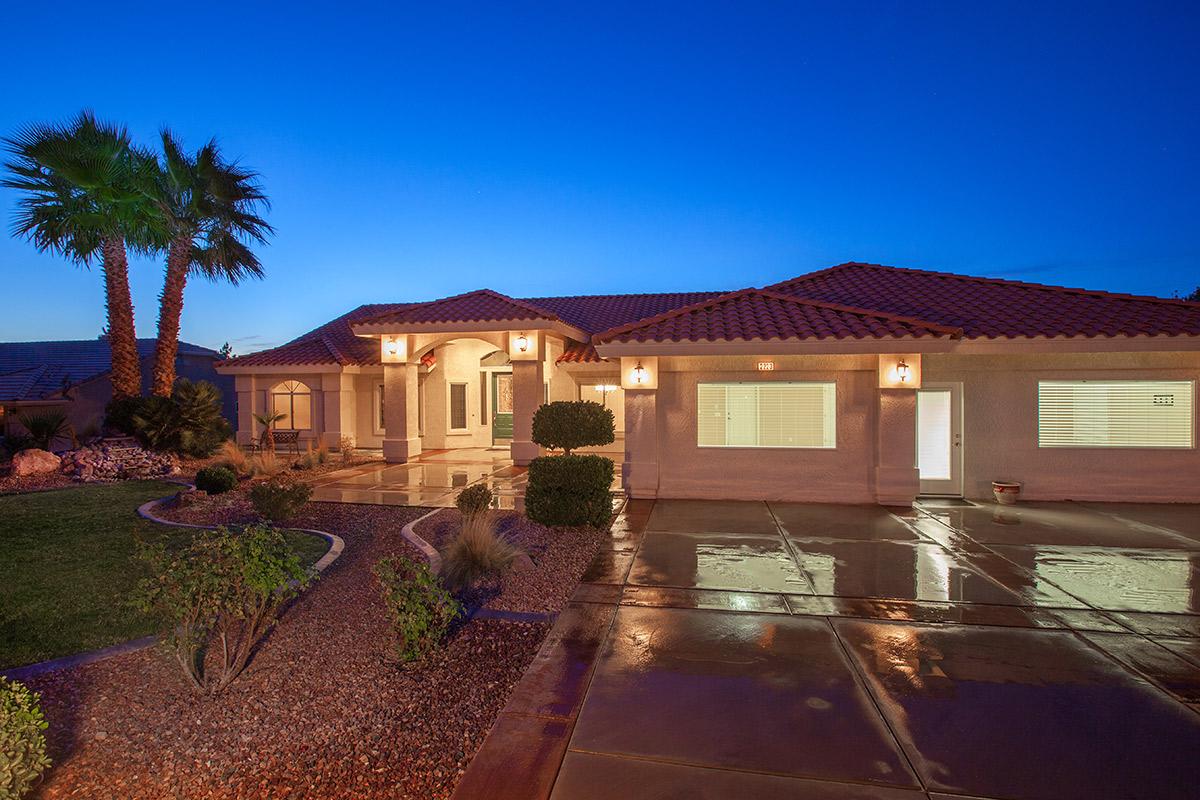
{"points": [[522, 342], [903, 372], [391, 346], [639, 373]]}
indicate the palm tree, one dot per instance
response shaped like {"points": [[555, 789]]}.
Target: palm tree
{"points": [[267, 421], [85, 197], [209, 211]]}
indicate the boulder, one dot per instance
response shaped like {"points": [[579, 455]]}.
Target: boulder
{"points": [[35, 462], [522, 563]]}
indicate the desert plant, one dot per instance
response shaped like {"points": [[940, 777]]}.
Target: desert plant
{"points": [[321, 453], [276, 501], [570, 424], [234, 458], [16, 442], [420, 609], [216, 479], [570, 490], [265, 465], [476, 552], [22, 740], [46, 427], [266, 421], [346, 447], [474, 499], [188, 422], [208, 208], [221, 593]]}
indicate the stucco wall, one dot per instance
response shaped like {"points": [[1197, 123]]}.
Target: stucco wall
{"points": [[457, 362], [1000, 429], [842, 475]]}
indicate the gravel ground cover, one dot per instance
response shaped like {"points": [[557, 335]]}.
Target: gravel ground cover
{"points": [[559, 555], [324, 710]]}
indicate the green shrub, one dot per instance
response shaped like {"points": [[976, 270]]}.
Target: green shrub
{"points": [[474, 499], [569, 424], [118, 414], [476, 552], [14, 443], [277, 501], [216, 479], [22, 741], [421, 610], [570, 490], [187, 422], [46, 427], [225, 587]]}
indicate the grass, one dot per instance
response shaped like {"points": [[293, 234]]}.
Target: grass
{"points": [[67, 568]]}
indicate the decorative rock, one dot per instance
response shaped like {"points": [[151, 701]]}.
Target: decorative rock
{"points": [[522, 563], [34, 462], [189, 497], [110, 462]]}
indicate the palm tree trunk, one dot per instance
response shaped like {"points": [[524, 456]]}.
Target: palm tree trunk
{"points": [[122, 340], [170, 310]]}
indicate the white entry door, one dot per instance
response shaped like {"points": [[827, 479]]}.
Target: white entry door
{"points": [[939, 438]]}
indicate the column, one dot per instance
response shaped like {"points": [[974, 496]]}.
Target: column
{"points": [[896, 478], [528, 390], [247, 392], [639, 470], [401, 440], [337, 390]]}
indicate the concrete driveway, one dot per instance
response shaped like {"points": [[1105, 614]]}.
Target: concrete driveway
{"points": [[730, 650]]}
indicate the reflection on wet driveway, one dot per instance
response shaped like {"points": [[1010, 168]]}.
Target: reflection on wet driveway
{"points": [[433, 479]]}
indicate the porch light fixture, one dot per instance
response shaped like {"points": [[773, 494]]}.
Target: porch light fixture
{"points": [[391, 347], [639, 373], [522, 342], [903, 372]]}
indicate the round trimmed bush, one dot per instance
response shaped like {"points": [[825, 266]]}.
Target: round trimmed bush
{"points": [[570, 490], [570, 424], [22, 741], [474, 499], [216, 479]]}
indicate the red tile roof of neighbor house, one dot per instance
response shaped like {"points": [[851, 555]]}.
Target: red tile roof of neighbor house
{"points": [[995, 308], [755, 314], [860, 300]]}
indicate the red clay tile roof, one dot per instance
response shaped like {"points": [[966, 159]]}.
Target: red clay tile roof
{"points": [[995, 308], [754, 314], [579, 354], [332, 343], [595, 313], [481, 305]]}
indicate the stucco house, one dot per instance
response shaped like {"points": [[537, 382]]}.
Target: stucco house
{"points": [[73, 376], [858, 383]]}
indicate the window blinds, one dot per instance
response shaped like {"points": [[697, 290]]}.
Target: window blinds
{"points": [[1115, 414], [458, 406], [775, 414]]}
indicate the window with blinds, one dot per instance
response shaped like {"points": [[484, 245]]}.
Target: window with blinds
{"points": [[1115, 414], [776, 414], [458, 406]]}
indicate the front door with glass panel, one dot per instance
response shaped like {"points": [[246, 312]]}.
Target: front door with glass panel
{"points": [[939, 439], [502, 406]]}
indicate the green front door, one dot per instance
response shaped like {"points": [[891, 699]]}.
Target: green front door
{"points": [[502, 406]]}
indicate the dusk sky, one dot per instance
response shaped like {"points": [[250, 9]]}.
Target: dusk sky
{"points": [[416, 152]]}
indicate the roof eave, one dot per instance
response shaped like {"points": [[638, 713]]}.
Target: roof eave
{"points": [[924, 344], [371, 329]]}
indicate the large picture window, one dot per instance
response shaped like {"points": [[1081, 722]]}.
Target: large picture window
{"points": [[1116, 414], [776, 414], [294, 400]]}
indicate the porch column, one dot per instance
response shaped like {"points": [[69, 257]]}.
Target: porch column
{"points": [[639, 470], [896, 477], [337, 390], [401, 440], [247, 393], [528, 391]]}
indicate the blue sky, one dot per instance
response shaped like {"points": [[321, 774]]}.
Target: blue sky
{"points": [[417, 151]]}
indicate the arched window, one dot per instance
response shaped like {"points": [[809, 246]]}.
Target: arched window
{"points": [[294, 399]]}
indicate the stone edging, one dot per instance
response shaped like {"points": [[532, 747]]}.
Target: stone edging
{"points": [[409, 532], [146, 511]]}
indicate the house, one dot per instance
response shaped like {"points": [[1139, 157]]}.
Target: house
{"points": [[73, 376], [858, 383]]}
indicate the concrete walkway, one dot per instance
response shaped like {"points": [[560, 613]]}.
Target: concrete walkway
{"points": [[731, 650]]}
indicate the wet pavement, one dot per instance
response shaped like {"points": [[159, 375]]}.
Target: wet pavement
{"points": [[728, 650]]}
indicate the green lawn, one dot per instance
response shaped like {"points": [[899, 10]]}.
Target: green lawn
{"points": [[66, 568]]}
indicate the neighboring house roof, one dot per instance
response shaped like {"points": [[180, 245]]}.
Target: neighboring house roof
{"points": [[38, 370], [754, 314], [860, 301], [995, 308]]}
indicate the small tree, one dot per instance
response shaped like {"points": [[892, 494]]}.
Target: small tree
{"points": [[570, 424], [265, 441]]}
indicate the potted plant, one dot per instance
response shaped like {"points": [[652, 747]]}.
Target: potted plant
{"points": [[1006, 492]]}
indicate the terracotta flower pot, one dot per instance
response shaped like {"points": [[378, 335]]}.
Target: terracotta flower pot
{"points": [[1006, 492]]}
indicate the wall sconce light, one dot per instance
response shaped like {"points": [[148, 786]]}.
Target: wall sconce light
{"points": [[903, 372], [522, 342], [639, 373], [391, 347]]}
